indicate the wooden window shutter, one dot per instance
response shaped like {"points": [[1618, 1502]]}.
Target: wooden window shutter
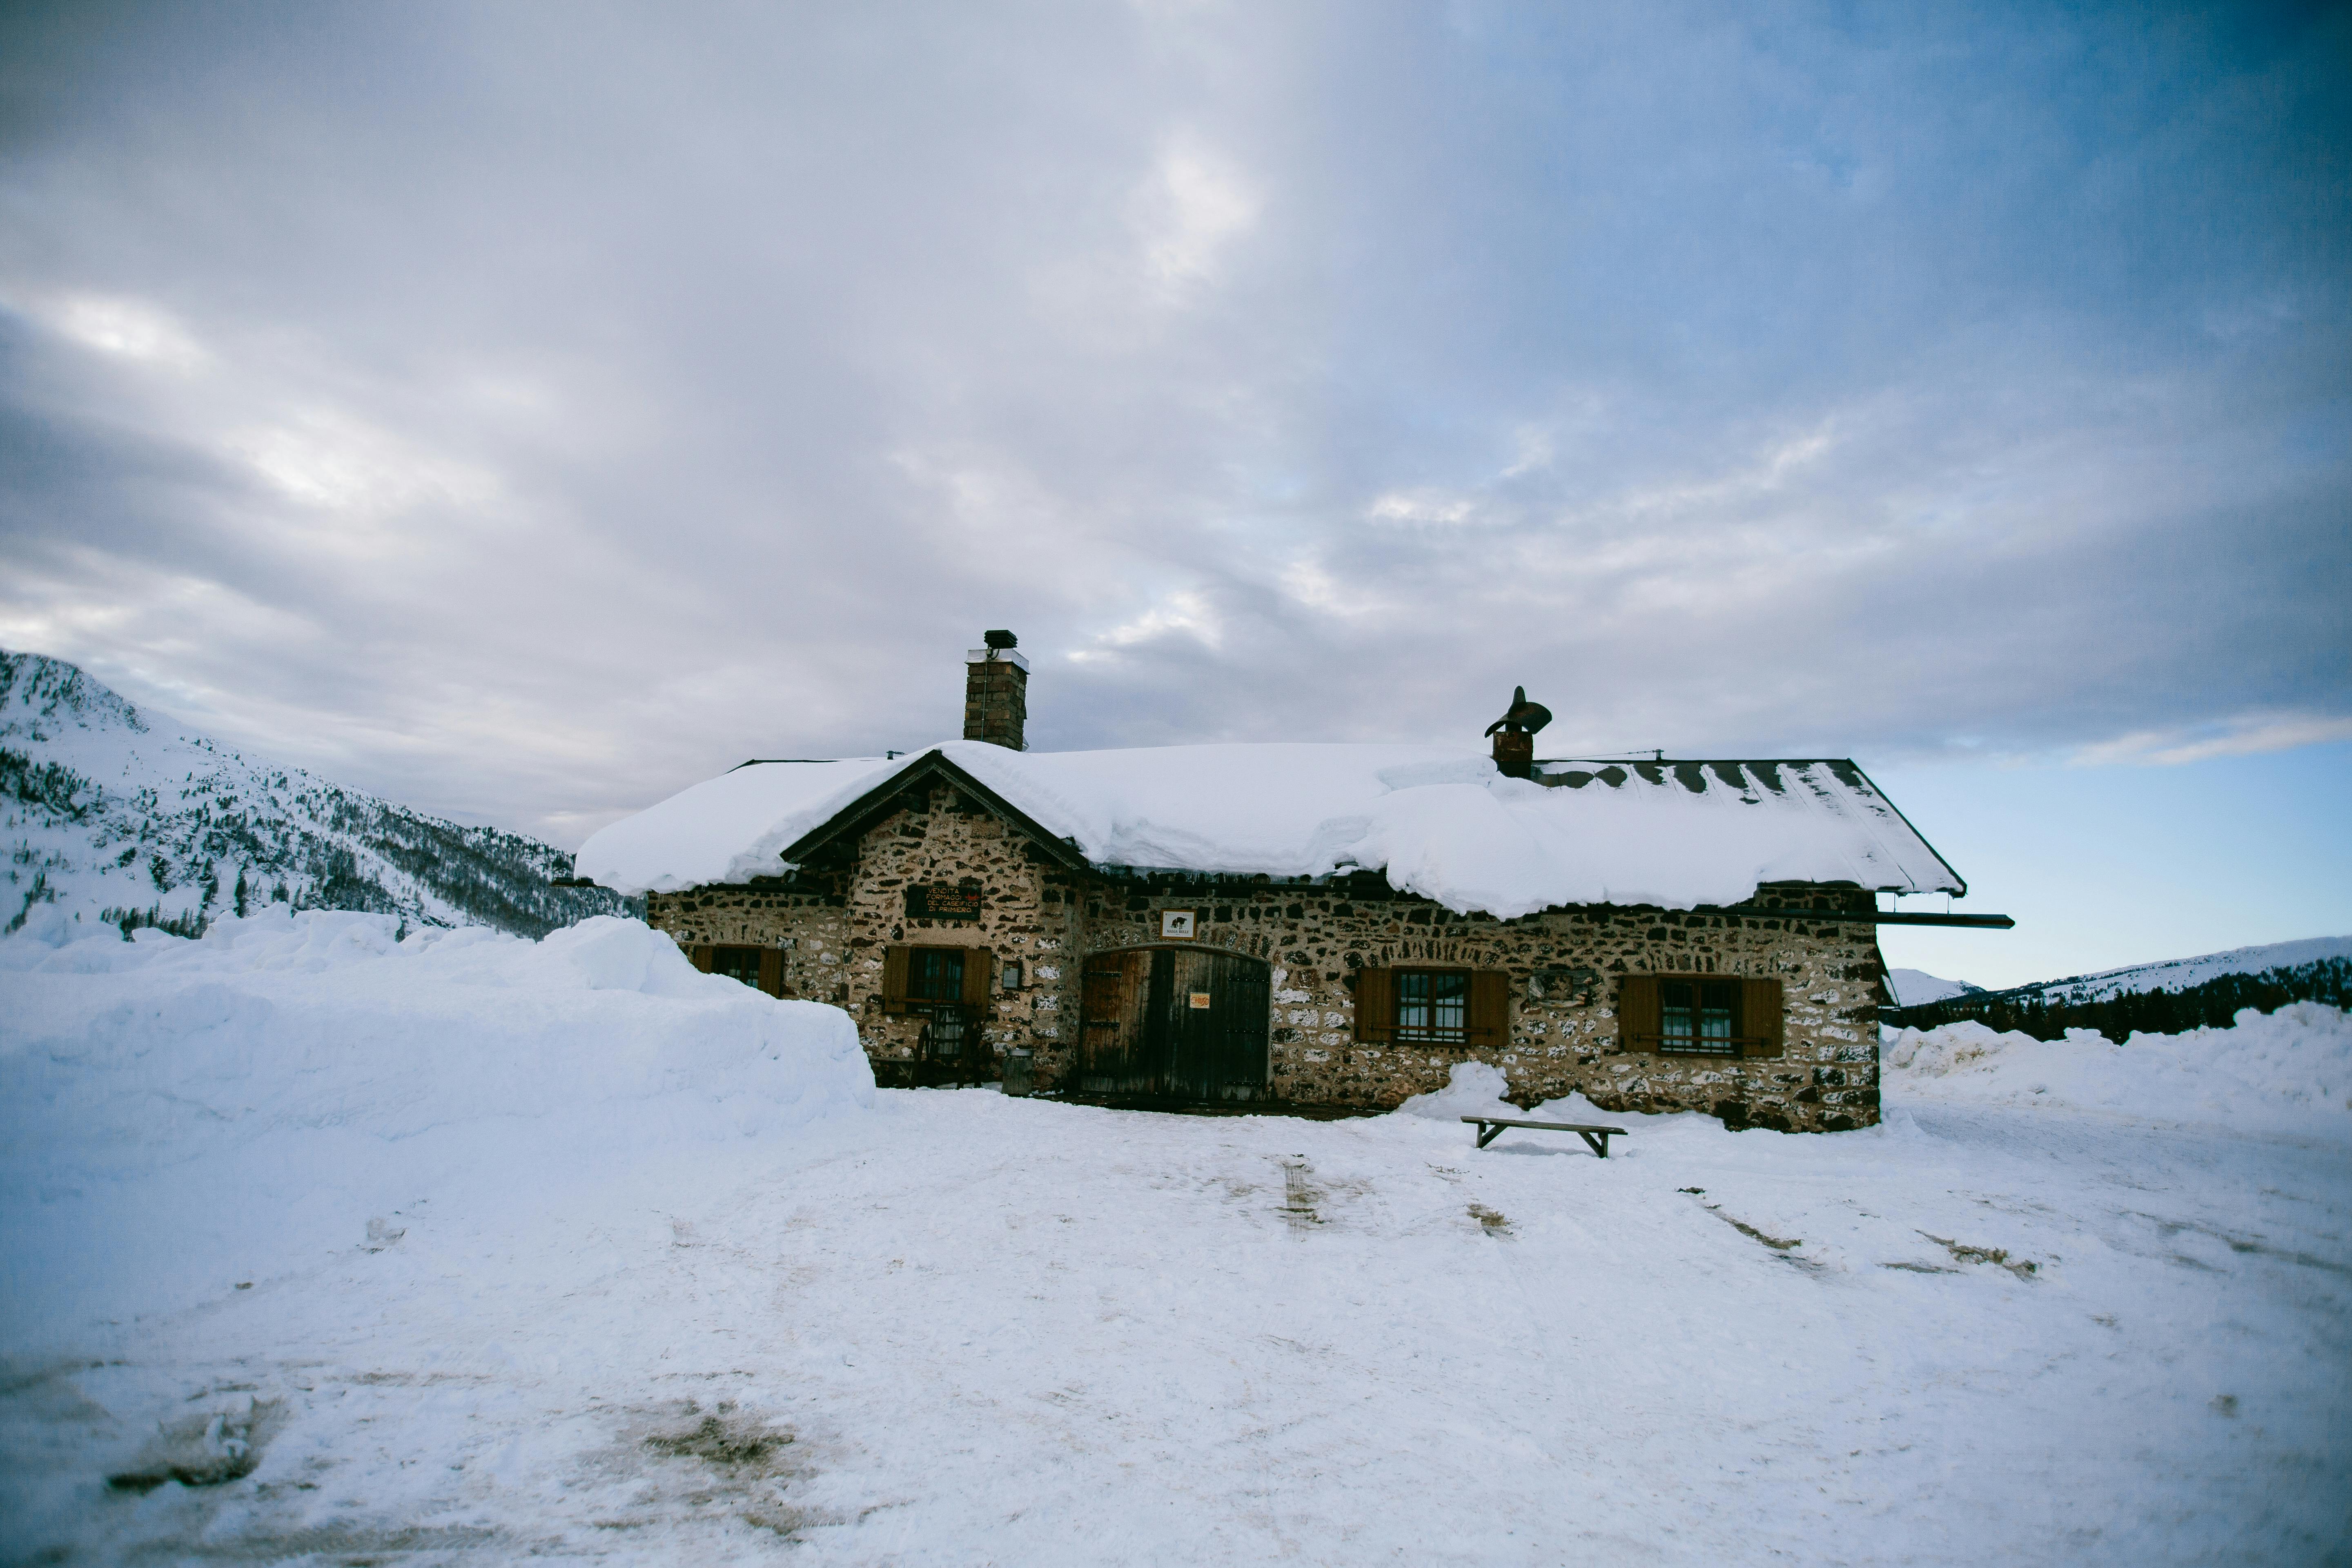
{"points": [[700, 955], [1375, 1004], [1490, 1008], [1640, 1018], [772, 970], [1762, 1016], [979, 969], [894, 979]]}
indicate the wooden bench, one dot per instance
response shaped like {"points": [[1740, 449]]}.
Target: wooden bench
{"points": [[1595, 1138]]}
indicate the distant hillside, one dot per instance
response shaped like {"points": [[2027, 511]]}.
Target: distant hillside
{"points": [[1912, 987], [2154, 998], [108, 817]]}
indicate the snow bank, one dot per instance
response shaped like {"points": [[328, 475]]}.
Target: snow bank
{"points": [[2289, 1071], [1439, 821], [1472, 1089], [293, 1083]]}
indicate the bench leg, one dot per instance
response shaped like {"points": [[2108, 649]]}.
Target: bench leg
{"points": [[1596, 1141], [1488, 1133]]}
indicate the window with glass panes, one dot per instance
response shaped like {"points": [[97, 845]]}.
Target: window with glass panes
{"points": [[1433, 1005], [935, 975], [1699, 1017], [737, 963]]}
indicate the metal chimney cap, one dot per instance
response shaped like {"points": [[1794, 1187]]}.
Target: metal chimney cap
{"points": [[1000, 640]]}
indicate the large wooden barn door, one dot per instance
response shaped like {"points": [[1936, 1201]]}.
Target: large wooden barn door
{"points": [[1113, 1056], [1175, 1023], [1215, 1026]]}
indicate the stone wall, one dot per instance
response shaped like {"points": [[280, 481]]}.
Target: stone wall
{"points": [[837, 924], [1565, 966], [810, 923]]}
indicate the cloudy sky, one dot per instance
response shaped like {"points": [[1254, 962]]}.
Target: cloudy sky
{"points": [[524, 411]]}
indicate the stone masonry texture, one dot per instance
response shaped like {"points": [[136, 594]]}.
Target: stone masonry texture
{"points": [[1565, 967]]}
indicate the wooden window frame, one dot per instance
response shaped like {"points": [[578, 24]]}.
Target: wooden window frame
{"points": [[771, 972], [1427, 1035], [1487, 1009], [1762, 1000], [977, 974], [921, 958]]}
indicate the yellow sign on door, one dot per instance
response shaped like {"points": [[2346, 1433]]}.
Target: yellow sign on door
{"points": [[1200, 999]]}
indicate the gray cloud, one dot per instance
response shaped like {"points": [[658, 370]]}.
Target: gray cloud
{"points": [[524, 413]]}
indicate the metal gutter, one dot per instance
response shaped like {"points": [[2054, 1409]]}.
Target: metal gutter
{"points": [[1870, 917]]}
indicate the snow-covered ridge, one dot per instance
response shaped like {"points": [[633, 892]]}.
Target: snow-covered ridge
{"points": [[1917, 987], [107, 815], [2179, 974], [1439, 821]]}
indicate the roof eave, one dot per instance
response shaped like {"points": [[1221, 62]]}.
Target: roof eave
{"points": [[868, 809]]}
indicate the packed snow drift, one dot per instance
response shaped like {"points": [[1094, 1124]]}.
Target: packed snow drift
{"points": [[1439, 821], [292, 1085], [2288, 1071]]}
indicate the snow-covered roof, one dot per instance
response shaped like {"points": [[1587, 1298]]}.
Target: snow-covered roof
{"points": [[1437, 820]]}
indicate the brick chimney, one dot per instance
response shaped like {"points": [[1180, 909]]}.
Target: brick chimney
{"points": [[996, 693]]}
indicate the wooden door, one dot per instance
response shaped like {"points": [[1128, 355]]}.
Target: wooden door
{"points": [[1243, 1008], [1113, 1056], [1213, 1031], [1175, 1024]]}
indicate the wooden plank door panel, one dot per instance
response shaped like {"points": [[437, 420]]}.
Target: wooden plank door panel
{"points": [[1191, 1063], [1143, 1037], [1242, 1009], [1113, 1056], [1218, 1051]]}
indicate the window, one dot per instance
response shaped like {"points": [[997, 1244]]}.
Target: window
{"points": [[761, 968], [1702, 1014], [926, 979], [737, 963], [1433, 1005], [1456, 1008], [935, 975], [1699, 1017]]}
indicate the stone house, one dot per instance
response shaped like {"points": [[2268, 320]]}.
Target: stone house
{"points": [[1305, 925]]}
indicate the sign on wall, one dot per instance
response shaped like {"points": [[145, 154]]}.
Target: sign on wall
{"points": [[1177, 924], [925, 902]]}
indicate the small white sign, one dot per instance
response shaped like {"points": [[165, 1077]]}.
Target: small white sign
{"points": [[1177, 923], [1200, 1001]]}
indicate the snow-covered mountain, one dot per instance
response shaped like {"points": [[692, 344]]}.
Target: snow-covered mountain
{"points": [[2166, 997], [106, 814], [2180, 974], [1917, 987]]}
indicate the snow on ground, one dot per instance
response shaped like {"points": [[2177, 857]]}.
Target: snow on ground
{"points": [[272, 1091], [956, 1328]]}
